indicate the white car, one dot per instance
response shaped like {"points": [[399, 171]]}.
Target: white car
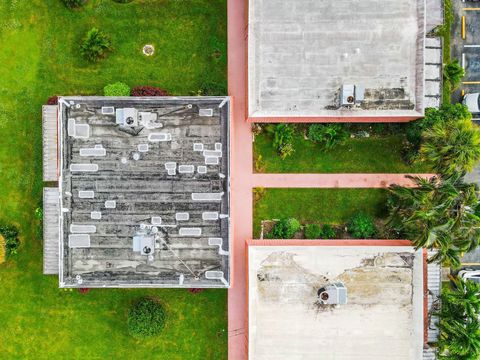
{"points": [[472, 275], [472, 102]]}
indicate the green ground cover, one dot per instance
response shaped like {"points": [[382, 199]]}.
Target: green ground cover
{"points": [[379, 154], [40, 57], [332, 206]]}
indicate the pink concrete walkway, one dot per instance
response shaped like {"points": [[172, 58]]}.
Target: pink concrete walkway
{"points": [[331, 180], [243, 180]]}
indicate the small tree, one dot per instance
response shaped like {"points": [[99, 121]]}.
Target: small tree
{"points": [[285, 228], [10, 236], [459, 325], [453, 74], [146, 318], [437, 214], [452, 147], [117, 89], [95, 45], [361, 226]]}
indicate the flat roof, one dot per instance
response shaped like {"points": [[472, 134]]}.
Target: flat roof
{"points": [[382, 319], [144, 192], [301, 53]]}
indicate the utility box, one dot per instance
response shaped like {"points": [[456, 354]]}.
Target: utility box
{"points": [[333, 294]]}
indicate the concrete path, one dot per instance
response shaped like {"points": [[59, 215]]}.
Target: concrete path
{"points": [[243, 180]]}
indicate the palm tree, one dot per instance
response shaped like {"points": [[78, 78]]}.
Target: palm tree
{"points": [[451, 147], [459, 324], [437, 214]]}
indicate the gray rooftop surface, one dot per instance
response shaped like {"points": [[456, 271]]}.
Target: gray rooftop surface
{"points": [[301, 52], [129, 215]]}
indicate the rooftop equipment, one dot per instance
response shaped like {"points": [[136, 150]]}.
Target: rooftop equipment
{"points": [[351, 95], [333, 294], [127, 117]]}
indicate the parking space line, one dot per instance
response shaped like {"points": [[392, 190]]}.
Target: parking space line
{"points": [[471, 9], [470, 264], [471, 46], [463, 61], [463, 27], [470, 82]]}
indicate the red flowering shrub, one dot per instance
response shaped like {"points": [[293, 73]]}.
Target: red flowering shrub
{"points": [[52, 100], [83, 290], [148, 91], [195, 290]]}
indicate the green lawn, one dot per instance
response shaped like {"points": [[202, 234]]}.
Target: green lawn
{"points": [[333, 206], [40, 57], [379, 154]]}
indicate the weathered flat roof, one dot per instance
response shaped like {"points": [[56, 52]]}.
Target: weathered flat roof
{"points": [[301, 53], [383, 317], [144, 190]]}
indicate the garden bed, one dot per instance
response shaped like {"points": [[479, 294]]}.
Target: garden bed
{"points": [[380, 152], [334, 207]]}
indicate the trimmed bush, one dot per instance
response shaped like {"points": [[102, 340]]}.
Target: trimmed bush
{"points": [[146, 318], [72, 4], [313, 231], [285, 228], [52, 100], [95, 45], [10, 236], [117, 89], [361, 226], [148, 91], [328, 232]]}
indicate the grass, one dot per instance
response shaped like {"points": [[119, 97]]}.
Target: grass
{"points": [[333, 206], [40, 57], [381, 154]]}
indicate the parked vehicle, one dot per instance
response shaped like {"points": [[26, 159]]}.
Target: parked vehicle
{"points": [[472, 275], [472, 101]]}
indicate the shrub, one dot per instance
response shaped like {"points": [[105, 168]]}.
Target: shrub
{"points": [[146, 318], [117, 89], [328, 232], [195, 290], [285, 228], [327, 135], [52, 100], [453, 74], [361, 226], [95, 45], [282, 139], [313, 231], [71, 4], [123, 1], [148, 91], [10, 236]]}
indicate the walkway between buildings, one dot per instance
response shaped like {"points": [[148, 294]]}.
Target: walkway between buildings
{"points": [[243, 179]]}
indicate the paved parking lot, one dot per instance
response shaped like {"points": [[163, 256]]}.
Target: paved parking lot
{"points": [[466, 45]]}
